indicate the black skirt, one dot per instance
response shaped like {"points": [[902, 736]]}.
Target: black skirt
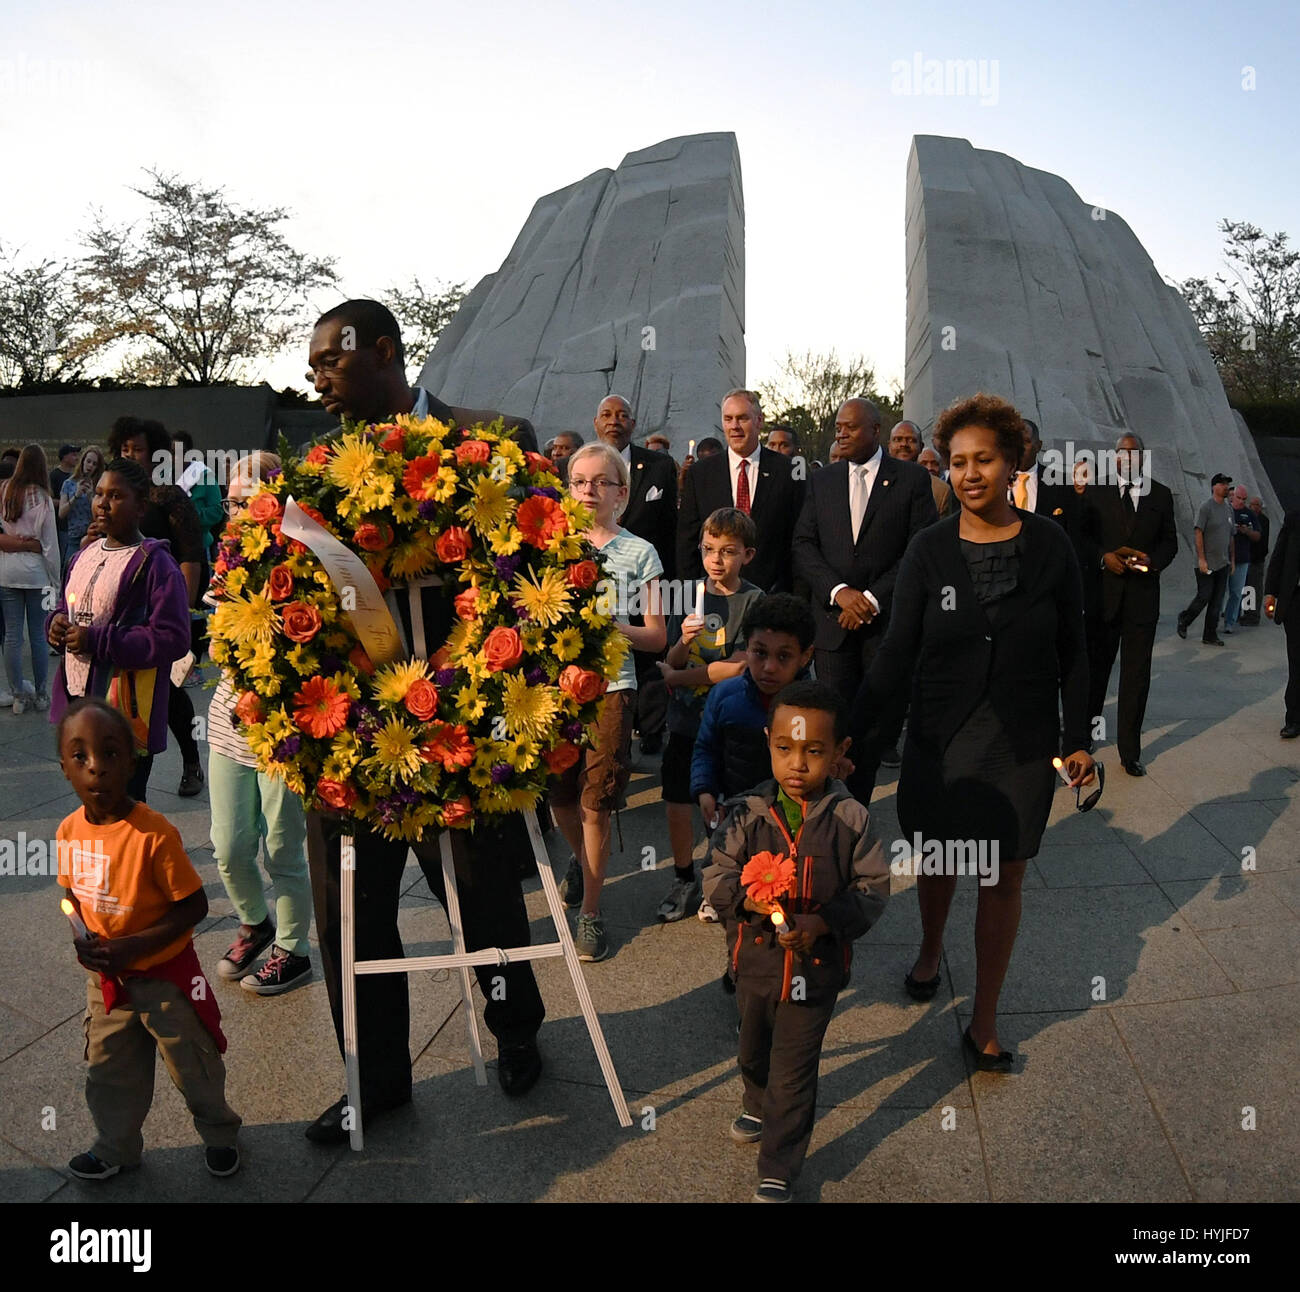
{"points": [[976, 790]]}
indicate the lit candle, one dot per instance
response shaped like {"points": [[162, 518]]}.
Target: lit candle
{"points": [[71, 912], [778, 918], [690, 449], [1060, 767], [699, 600]]}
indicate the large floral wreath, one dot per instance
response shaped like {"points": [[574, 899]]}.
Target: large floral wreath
{"points": [[504, 702]]}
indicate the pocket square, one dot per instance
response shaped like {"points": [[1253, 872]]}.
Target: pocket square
{"points": [[653, 494]]}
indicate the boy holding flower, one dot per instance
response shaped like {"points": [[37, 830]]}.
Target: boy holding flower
{"points": [[796, 879]]}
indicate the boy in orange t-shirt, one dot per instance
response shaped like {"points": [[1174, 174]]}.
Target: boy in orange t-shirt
{"points": [[139, 897]]}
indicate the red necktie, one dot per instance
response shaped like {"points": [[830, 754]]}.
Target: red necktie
{"points": [[742, 487]]}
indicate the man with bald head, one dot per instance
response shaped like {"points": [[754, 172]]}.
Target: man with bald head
{"points": [[905, 444], [756, 480], [856, 523]]}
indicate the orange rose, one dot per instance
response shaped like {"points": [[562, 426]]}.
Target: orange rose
{"points": [[422, 699], [374, 538], [248, 708], [502, 649], [317, 455], [537, 463], [582, 575], [264, 507], [362, 662], [281, 583], [473, 451], [457, 812], [582, 684], [453, 545], [301, 621], [336, 794], [440, 659], [561, 758], [466, 604], [391, 437]]}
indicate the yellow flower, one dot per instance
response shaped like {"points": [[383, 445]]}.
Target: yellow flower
{"points": [[470, 704], [414, 557], [489, 506], [593, 616], [476, 666], [510, 450], [528, 710], [505, 540], [567, 644], [377, 495], [567, 547], [580, 516], [405, 509], [445, 486], [337, 641], [461, 639], [254, 541], [616, 649], [393, 681], [533, 639], [246, 619], [303, 661], [235, 581], [546, 598], [395, 751], [354, 463], [521, 800]]}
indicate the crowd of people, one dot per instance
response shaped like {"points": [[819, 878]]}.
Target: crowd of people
{"points": [[830, 607]]}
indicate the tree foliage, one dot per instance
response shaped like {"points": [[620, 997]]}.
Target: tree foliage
{"points": [[809, 388], [43, 334], [201, 289], [423, 314], [1251, 319]]}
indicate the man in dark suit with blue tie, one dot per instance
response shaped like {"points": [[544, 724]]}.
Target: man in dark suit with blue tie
{"points": [[856, 523], [1131, 523], [761, 483]]}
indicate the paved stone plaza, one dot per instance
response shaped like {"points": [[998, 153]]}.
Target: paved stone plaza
{"points": [[1137, 1097]]}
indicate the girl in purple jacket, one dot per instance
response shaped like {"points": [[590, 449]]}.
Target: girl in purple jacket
{"points": [[122, 619]]}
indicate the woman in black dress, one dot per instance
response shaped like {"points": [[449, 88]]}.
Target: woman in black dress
{"points": [[987, 620]]}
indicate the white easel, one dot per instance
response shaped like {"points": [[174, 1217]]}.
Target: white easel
{"points": [[463, 961]]}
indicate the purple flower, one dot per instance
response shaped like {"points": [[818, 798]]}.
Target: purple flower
{"points": [[549, 491], [572, 730], [428, 509], [501, 772], [507, 565], [445, 676], [535, 676], [331, 664], [287, 748], [235, 560], [275, 551]]}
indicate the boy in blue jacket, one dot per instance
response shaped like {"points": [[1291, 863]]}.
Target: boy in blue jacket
{"points": [[790, 950]]}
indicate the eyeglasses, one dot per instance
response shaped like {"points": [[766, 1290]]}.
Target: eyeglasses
{"points": [[725, 552], [1091, 801], [231, 505], [576, 482]]}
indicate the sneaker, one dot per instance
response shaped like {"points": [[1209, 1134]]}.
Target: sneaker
{"points": [[773, 1191], [680, 896], [40, 701], [571, 885], [590, 940], [221, 1161], [707, 915], [283, 971], [191, 781], [20, 706], [1226, 629], [746, 1129], [86, 1166], [238, 960], [6, 698]]}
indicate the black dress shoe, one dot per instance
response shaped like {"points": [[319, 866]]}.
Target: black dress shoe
{"points": [[1001, 1062], [1133, 767], [922, 988], [518, 1067], [1182, 630], [1213, 641], [328, 1128], [1290, 731]]}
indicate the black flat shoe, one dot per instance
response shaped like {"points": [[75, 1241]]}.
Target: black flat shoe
{"points": [[1001, 1062], [1133, 767], [328, 1128], [919, 989], [1290, 731], [518, 1067]]}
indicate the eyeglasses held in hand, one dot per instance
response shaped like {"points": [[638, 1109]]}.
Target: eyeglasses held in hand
{"points": [[1091, 801]]}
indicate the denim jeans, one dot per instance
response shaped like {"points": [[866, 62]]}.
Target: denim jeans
{"points": [[1236, 583], [23, 605]]}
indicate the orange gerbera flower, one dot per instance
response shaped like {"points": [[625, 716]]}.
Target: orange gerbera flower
{"points": [[450, 745], [539, 519], [322, 709], [419, 475], [767, 876]]}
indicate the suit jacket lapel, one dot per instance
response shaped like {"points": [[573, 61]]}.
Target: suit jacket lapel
{"points": [[884, 481], [637, 490]]}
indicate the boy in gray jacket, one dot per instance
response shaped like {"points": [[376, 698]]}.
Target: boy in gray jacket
{"points": [[790, 952]]}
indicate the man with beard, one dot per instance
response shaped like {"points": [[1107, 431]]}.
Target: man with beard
{"points": [[357, 368]]}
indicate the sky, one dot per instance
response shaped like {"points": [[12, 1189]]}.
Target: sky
{"points": [[413, 139]]}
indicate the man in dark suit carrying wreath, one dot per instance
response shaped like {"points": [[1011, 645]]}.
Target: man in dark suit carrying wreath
{"points": [[357, 369]]}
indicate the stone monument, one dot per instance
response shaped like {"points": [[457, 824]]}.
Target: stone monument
{"points": [[629, 282], [1018, 287]]}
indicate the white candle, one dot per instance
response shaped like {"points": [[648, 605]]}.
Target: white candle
{"points": [[778, 918], [1060, 767], [690, 449], [699, 600], [71, 912]]}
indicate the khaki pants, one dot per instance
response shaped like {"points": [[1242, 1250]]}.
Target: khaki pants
{"points": [[121, 1047]]}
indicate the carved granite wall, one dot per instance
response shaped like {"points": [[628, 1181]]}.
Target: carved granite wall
{"points": [[629, 282], [1018, 287]]}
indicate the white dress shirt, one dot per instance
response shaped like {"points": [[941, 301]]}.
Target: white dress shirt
{"points": [[862, 479], [733, 463]]}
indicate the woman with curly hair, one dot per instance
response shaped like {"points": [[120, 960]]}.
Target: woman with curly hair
{"points": [[987, 624]]}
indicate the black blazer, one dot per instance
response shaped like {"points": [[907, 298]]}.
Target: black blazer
{"points": [[1284, 568], [1026, 654], [777, 501], [1112, 524], [655, 520], [521, 427], [901, 505]]}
